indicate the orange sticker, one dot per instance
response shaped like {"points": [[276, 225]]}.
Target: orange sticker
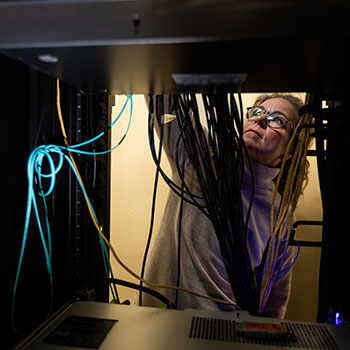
{"points": [[274, 327], [255, 326]]}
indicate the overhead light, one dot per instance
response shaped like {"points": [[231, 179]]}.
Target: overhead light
{"points": [[48, 58]]}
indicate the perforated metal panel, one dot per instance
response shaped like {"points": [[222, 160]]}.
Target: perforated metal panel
{"points": [[311, 336], [308, 336], [212, 329]]}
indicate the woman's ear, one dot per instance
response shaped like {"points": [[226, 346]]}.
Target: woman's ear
{"points": [[289, 156]]}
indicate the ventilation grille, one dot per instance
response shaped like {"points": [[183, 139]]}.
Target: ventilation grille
{"points": [[311, 336], [212, 329], [308, 336]]}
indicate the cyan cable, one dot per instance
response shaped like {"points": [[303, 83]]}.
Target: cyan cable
{"points": [[34, 165], [34, 171], [71, 148]]}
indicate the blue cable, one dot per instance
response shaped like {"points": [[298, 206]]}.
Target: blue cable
{"points": [[34, 171], [293, 262], [34, 165], [72, 147]]}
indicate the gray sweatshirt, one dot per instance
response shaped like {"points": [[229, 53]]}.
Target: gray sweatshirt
{"points": [[201, 267]]}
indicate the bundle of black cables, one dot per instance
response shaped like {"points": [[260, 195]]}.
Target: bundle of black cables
{"points": [[216, 154]]}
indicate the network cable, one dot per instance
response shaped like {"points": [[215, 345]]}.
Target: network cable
{"points": [[115, 255], [282, 221], [216, 157], [34, 171], [105, 258], [54, 156]]}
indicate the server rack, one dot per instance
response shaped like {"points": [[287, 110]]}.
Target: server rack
{"points": [[28, 106]]}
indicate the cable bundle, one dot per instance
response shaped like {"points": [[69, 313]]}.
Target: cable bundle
{"points": [[217, 159], [54, 156], [156, 107], [282, 221], [216, 155]]}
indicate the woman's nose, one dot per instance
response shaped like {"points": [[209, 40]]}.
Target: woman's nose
{"points": [[261, 120]]}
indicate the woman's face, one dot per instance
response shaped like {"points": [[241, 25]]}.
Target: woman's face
{"points": [[265, 145]]}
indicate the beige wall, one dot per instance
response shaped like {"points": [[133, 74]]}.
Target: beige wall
{"points": [[304, 296], [132, 182]]}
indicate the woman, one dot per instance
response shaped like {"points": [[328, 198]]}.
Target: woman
{"points": [[266, 133]]}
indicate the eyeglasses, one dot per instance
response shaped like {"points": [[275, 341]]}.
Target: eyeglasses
{"points": [[274, 120]]}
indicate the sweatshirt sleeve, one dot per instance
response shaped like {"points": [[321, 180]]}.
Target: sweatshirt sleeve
{"points": [[169, 124]]}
